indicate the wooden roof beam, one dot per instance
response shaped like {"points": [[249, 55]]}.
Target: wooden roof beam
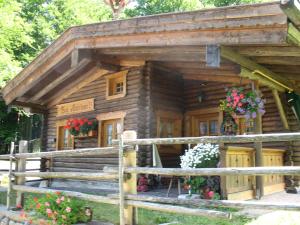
{"points": [[228, 53], [74, 69], [292, 9], [90, 76], [221, 79], [253, 76], [34, 108], [293, 36]]}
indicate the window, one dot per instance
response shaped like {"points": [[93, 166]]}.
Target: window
{"points": [[168, 124], [203, 122], [64, 139], [110, 127], [116, 85]]}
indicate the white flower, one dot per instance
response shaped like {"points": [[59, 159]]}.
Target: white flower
{"points": [[201, 153]]}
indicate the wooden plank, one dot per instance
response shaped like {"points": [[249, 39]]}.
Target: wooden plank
{"points": [[259, 185], [264, 81], [258, 171], [263, 51], [222, 79], [21, 167], [292, 9], [277, 137], [245, 62], [69, 175], [293, 35], [87, 78], [74, 68], [214, 203], [281, 110], [86, 197], [64, 153]]}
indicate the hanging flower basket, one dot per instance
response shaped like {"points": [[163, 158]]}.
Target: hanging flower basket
{"points": [[82, 127], [238, 102]]}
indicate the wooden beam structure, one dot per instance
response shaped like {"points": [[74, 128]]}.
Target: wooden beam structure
{"points": [[83, 80], [263, 24], [293, 36], [253, 76], [292, 9], [281, 110], [74, 68], [251, 65]]}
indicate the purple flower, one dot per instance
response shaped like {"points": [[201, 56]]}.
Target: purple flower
{"points": [[262, 111], [254, 115]]}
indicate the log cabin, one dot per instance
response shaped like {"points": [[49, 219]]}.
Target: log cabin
{"points": [[164, 76]]}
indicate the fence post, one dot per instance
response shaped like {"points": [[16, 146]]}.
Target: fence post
{"points": [[128, 183], [12, 149], [21, 167]]}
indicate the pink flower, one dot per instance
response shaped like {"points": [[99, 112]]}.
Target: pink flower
{"points": [[62, 198], [47, 204], [58, 201], [211, 194], [48, 211], [240, 104], [68, 209]]}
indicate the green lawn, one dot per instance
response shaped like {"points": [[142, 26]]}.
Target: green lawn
{"points": [[110, 213]]}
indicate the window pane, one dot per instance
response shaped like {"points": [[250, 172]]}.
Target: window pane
{"points": [[202, 128], [109, 132], [170, 129], [213, 127]]}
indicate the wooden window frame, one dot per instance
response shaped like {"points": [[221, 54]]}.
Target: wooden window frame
{"points": [[168, 115], [117, 115], [190, 118], [59, 124], [122, 75]]}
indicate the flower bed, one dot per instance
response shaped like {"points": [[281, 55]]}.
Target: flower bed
{"points": [[58, 209]]}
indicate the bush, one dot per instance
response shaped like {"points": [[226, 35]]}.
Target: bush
{"points": [[60, 209]]}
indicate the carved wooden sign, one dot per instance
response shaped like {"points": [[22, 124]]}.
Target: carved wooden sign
{"points": [[75, 107]]}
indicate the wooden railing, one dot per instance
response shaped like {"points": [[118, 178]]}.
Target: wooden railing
{"points": [[127, 199]]}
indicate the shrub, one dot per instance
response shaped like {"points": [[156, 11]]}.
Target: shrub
{"points": [[60, 209]]}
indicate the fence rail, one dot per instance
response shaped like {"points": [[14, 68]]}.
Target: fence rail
{"points": [[127, 199]]}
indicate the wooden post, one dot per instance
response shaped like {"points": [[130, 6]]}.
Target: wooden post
{"points": [[21, 167], [280, 109], [12, 148], [128, 184], [258, 152]]}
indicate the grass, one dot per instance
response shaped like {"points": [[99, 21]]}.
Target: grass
{"points": [[110, 213]]}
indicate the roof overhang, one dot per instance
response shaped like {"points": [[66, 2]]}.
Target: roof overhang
{"points": [[81, 49]]}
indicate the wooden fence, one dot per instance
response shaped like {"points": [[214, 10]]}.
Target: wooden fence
{"points": [[127, 199]]}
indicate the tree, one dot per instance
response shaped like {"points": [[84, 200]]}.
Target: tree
{"points": [[13, 34], [150, 7], [219, 3], [117, 6]]}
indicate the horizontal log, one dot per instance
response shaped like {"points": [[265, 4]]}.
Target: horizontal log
{"points": [[178, 209], [217, 139], [233, 171], [87, 197], [66, 153], [70, 175], [212, 203]]}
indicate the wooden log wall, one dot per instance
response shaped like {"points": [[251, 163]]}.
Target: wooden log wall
{"points": [[133, 104], [214, 92]]}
